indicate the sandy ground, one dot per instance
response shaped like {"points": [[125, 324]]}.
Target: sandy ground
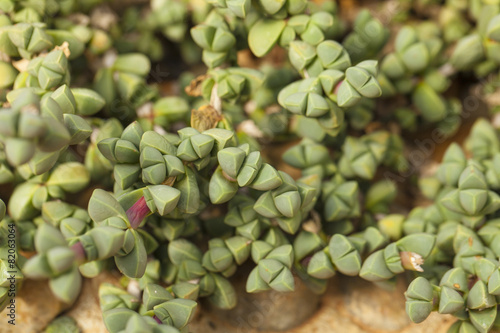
{"points": [[349, 305]]}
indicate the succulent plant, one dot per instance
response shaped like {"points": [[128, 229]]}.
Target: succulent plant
{"points": [[102, 169]]}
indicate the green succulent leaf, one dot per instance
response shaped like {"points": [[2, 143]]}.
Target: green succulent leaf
{"points": [[264, 34]]}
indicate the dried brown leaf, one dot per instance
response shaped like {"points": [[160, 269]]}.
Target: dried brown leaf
{"points": [[169, 181], [194, 88], [204, 118]]}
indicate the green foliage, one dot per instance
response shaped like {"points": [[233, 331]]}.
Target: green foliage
{"points": [[176, 192]]}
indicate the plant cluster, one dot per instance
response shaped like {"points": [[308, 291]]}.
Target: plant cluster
{"points": [[100, 171]]}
